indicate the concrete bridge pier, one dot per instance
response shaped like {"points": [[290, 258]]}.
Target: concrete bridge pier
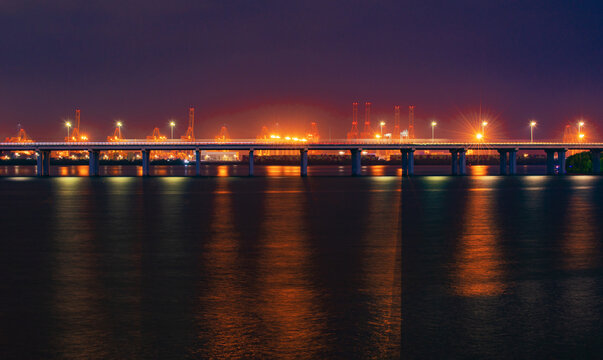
{"points": [[404, 162], [146, 162], [454, 156], [43, 163], [39, 163], [93, 159], [550, 162], [410, 170], [197, 162], [513, 162], [251, 162], [356, 161], [303, 171], [561, 157], [463, 162], [503, 161], [595, 155]]}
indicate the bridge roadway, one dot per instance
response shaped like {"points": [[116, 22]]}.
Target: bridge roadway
{"points": [[507, 151]]}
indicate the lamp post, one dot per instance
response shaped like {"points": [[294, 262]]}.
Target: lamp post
{"points": [[433, 125], [532, 125], [172, 124], [119, 125], [484, 123], [382, 124], [68, 125]]}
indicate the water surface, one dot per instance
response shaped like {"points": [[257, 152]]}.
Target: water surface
{"points": [[183, 267], [260, 170], [502, 267], [318, 267]]}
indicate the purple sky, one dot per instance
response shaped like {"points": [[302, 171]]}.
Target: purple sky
{"points": [[249, 63]]}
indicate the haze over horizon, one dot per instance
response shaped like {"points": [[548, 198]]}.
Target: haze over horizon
{"points": [[251, 64]]}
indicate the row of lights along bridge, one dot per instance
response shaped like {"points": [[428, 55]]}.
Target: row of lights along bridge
{"points": [[397, 133]]}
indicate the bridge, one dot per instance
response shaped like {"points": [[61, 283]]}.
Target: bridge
{"points": [[507, 150]]}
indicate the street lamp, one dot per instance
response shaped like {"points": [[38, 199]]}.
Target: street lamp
{"points": [[580, 134], [433, 125], [484, 123], [119, 125], [68, 125], [172, 124], [382, 124], [532, 124]]}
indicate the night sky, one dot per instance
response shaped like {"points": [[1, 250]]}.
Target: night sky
{"points": [[250, 63]]}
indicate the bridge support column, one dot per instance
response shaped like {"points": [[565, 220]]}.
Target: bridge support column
{"points": [[503, 162], [93, 159], [463, 162], [454, 156], [251, 162], [411, 163], [550, 162], [43, 163], [356, 161], [595, 156], [197, 162], [146, 162], [303, 166], [513, 162], [561, 157], [404, 162], [39, 163]]}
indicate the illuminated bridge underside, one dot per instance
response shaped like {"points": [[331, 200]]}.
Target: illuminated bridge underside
{"points": [[507, 150]]}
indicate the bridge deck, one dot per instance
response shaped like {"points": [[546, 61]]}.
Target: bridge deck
{"points": [[135, 145]]}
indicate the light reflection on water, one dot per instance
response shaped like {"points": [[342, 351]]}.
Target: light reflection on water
{"points": [[260, 170], [478, 267], [496, 267], [177, 267], [289, 267]]}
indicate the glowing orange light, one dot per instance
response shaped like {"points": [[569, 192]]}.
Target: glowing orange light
{"points": [[479, 136]]}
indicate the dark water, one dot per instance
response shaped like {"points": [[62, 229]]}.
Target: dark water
{"points": [[502, 267], [182, 267], [286, 267]]}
